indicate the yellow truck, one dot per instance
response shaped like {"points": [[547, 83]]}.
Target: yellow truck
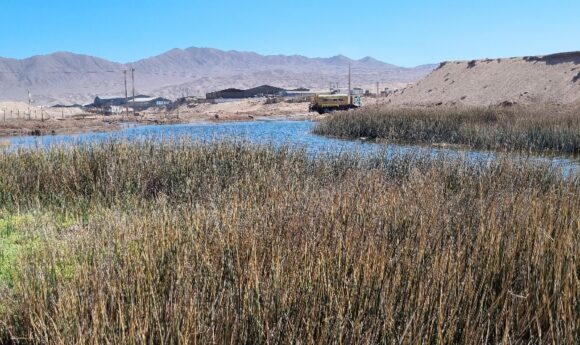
{"points": [[325, 103]]}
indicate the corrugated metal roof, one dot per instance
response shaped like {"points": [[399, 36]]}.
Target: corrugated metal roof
{"points": [[143, 99]]}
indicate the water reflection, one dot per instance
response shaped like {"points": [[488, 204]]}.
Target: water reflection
{"points": [[292, 133]]}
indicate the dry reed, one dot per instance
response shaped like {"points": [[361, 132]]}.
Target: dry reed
{"points": [[481, 128], [231, 243]]}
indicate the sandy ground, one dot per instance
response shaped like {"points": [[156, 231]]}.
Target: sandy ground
{"points": [[64, 121], [238, 110], [19, 110], [544, 80]]}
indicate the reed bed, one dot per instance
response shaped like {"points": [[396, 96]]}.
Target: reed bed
{"points": [[166, 243], [491, 128]]}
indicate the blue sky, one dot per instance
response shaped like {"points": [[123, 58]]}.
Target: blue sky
{"points": [[405, 33]]}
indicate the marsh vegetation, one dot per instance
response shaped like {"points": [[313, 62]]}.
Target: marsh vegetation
{"points": [[180, 242], [494, 128]]}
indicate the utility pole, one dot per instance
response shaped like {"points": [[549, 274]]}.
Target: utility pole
{"points": [[126, 96], [377, 89], [133, 80], [349, 82], [29, 106]]}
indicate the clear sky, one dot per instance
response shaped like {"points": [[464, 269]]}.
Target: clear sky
{"points": [[405, 33]]}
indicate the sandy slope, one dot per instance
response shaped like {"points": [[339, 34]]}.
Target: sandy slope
{"points": [[552, 79]]}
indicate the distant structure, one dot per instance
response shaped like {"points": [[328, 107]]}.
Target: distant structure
{"points": [[357, 91], [298, 95], [387, 92], [110, 106], [260, 91], [145, 102]]}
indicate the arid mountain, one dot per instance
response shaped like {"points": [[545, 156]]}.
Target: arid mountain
{"points": [[71, 78], [552, 79]]}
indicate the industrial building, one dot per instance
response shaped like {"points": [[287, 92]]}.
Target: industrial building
{"points": [[145, 102], [117, 105], [260, 91]]}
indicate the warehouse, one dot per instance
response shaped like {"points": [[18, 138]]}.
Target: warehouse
{"points": [[141, 102], [260, 91]]}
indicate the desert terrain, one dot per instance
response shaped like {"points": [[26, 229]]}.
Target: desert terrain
{"points": [[551, 83], [68, 78]]}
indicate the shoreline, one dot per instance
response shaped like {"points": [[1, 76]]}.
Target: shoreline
{"points": [[102, 124], [72, 121]]}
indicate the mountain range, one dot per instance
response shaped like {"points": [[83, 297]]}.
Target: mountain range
{"points": [[69, 78]]}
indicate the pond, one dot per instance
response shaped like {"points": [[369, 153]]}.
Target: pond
{"points": [[292, 133]]}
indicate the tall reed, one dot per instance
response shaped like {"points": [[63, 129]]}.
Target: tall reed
{"points": [[481, 128], [233, 243]]}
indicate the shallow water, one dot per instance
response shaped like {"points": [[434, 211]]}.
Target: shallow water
{"points": [[292, 133]]}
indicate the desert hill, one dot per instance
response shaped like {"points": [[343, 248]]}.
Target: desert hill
{"points": [[72, 78], [552, 79]]}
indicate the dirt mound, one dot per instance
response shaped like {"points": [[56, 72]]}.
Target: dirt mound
{"points": [[551, 79]]}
